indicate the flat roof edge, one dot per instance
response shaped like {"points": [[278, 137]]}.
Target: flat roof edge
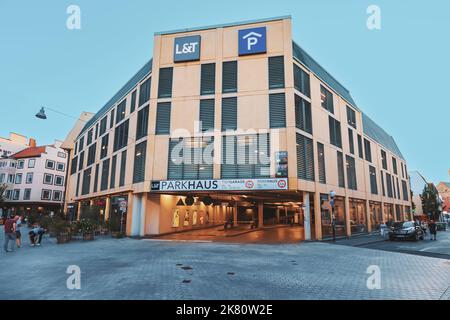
{"points": [[224, 25]]}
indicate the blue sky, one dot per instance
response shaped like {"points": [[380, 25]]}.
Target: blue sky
{"points": [[397, 75]]}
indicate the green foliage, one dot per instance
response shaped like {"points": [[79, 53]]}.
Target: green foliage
{"points": [[57, 225], [89, 219], [430, 203]]}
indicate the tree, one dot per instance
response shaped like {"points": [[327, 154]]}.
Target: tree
{"points": [[430, 201]]}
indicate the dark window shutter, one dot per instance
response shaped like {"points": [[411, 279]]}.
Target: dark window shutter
{"points": [[112, 183], [142, 123], [340, 165], [277, 110], [276, 72], [360, 147], [305, 158], [163, 118], [303, 119], [97, 168], [373, 180], [208, 79], [175, 167], [351, 141], [105, 173], [351, 173], [229, 76], [207, 114], [367, 150], [165, 83], [123, 166], [229, 114], [301, 81], [139, 162], [321, 163], [228, 167]]}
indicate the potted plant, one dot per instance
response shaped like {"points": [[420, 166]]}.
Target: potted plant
{"points": [[59, 228], [87, 228]]}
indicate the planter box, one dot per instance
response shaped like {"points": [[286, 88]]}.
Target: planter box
{"points": [[117, 235], [88, 236], [62, 238]]}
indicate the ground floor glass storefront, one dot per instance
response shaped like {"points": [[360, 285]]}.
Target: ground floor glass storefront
{"points": [[376, 215], [358, 221], [339, 217], [389, 213]]}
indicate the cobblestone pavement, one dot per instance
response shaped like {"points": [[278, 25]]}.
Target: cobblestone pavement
{"points": [[146, 269]]}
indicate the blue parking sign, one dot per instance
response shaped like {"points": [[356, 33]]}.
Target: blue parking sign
{"points": [[252, 41]]}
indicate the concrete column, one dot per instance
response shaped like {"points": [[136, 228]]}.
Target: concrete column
{"points": [[278, 215], [347, 216], [107, 208], [142, 215], [383, 213], [79, 210], [235, 215], [129, 213], [307, 215], [368, 215], [260, 214], [317, 216]]}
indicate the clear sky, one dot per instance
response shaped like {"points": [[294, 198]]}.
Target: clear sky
{"points": [[397, 75]]}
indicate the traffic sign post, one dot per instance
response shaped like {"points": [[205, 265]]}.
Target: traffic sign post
{"points": [[123, 208], [333, 223]]}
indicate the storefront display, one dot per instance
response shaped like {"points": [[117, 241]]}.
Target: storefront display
{"points": [[358, 222]]}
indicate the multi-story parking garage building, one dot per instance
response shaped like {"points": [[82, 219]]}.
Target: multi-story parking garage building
{"points": [[236, 123]]}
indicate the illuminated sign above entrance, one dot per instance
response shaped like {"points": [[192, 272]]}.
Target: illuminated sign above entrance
{"points": [[252, 41], [186, 49], [220, 185]]}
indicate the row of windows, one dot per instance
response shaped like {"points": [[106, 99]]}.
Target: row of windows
{"points": [[46, 194]]}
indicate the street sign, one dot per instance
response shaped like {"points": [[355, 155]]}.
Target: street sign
{"points": [[123, 206]]}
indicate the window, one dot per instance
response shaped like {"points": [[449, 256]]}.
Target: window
{"points": [[335, 132], [351, 173], [367, 150], [60, 166], [229, 77], [62, 155], [326, 98], [11, 178], [31, 163], [29, 178], [27, 194], [303, 119], [139, 162], [96, 130], [301, 81], [144, 91], [77, 189], [382, 183], [277, 110], [389, 185], [81, 144], [384, 159], [351, 117], [305, 158], [245, 156], [208, 79], [97, 168], [20, 164], [229, 114], [2, 177], [16, 194], [91, 154], [403, 170], [111, 119], [405, 191], [142, 123], [59, 180], [373, 180], [104, 146], [321, 163], [165, 83], [112, 182], [57, 195], [81, 161], [120, 111], [105, 173], [123, 164], [121, 136], [394, 165], [85, 187], [163, 118], [76, 148], [8, 194], [48, 178], [103, 126], [340, 168], [133, 102], [190, 158], [18, 178], [73, 166], [350, 141], [46, 194], [89, 137], [393, 187], [50, 164], [207, 114], [398, 188], [276, 72]]}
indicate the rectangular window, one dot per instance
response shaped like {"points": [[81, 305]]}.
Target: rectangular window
{"points": [[351, 117], [73, 166], [16, 194], [139, 162], [277, 110], [389, 185], [96, 130], [403, 170], [229, 114], [105, 173], [111, 119], [394, 165], [335, 132], [133, 102], [91, 154], [81, 144], [382, 183], [97, 168], [142, 123], [351, 142], [208, 79], [367, 150], [207, 114], [59, 181], [305, 158], [57, 195], [144, 91], [301, 81], [276, 72], [81, 161], [229, 76], [321, 163], [27, 194], [77, 188], [112, 183], [104, 146], [405, 191], [60, 166], [89, 137], [303, 119], [46, 194], [48, 178], [121, 136], [20, 164], [384, 159], [120, 111], [103, 124], [86, 186], [163, 118], [31, 163], [18, 178], [340, 167], [123, 164], [326, 98], [50, 164], [398, 188], [373, 180], [351, 173], [165, 82], [29, 178]]}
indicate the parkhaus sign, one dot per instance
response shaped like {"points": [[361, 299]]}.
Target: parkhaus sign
{"points": [[220, 185], [187, 49]]}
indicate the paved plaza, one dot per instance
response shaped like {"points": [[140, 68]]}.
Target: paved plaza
{"points": [[155, 269]]}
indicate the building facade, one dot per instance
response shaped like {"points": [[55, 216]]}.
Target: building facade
{"points": [[444, 193], [237, 123], [35, 178], [14, 143]]}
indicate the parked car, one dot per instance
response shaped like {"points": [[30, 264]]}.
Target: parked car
{"points": [[406, 230], [441, 226]]}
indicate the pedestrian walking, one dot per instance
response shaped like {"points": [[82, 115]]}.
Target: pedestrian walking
{"points": [[10, 233], [433, 230], [36, 235], [383, 229], [18, 233]]}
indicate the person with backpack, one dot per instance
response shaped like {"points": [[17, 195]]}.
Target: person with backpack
{"points": [[10, 233]]}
